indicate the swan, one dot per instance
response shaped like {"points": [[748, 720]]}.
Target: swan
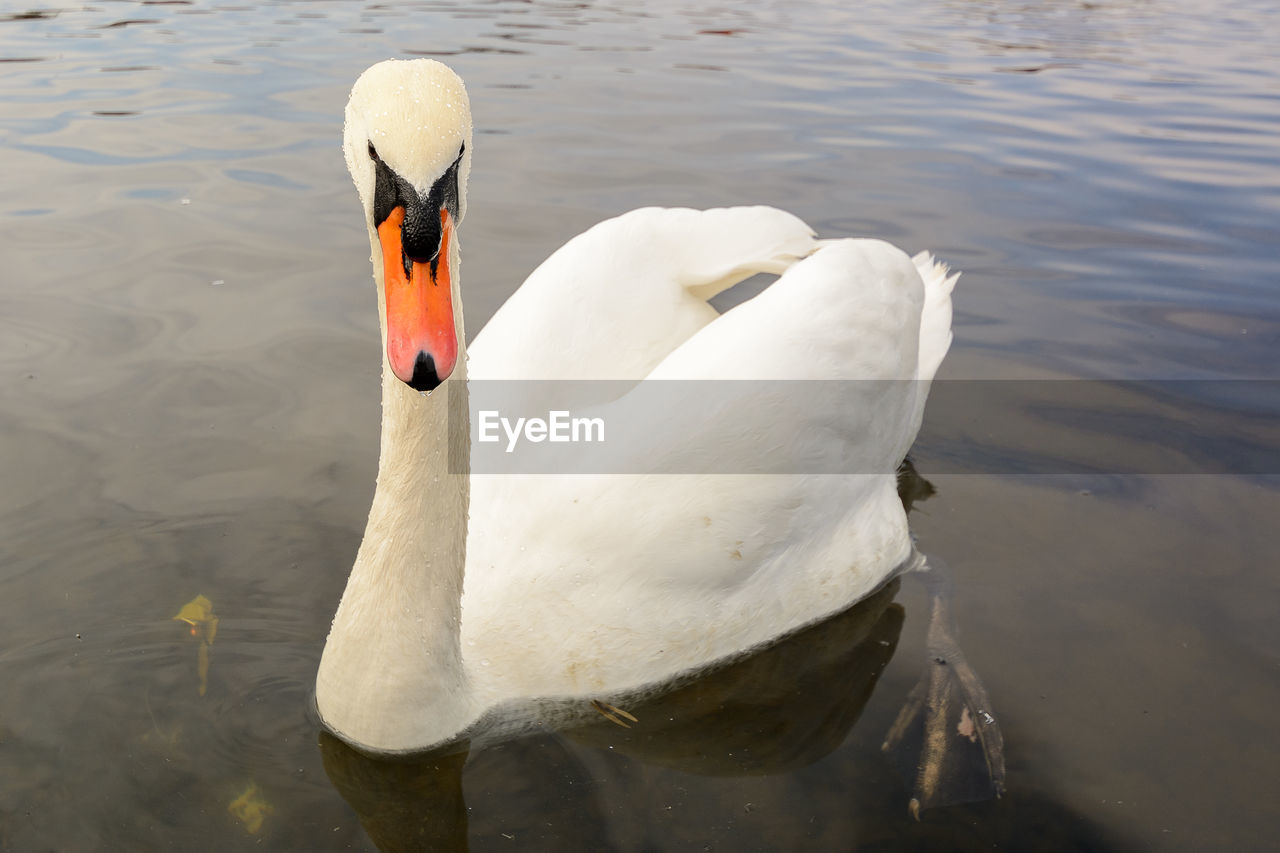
{"points": [[473, 595]]}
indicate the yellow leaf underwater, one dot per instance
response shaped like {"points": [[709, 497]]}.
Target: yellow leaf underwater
{"points": [[198, 613], [251, 809]]}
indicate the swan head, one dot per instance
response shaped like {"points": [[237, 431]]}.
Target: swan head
{"points": [[408, 147]]}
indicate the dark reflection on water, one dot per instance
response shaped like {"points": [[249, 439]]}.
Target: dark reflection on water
{"points": [[189, 400], [730, 761]]}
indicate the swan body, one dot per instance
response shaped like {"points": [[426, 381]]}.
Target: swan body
{"points": [[473, 592]]}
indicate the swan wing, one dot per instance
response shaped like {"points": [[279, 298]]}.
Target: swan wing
{"points": [[847, 341], [617, 299]]}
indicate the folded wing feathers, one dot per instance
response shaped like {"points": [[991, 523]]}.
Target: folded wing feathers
{"points": [[723, 246]]}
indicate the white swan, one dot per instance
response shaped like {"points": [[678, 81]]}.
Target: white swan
{"points": [[586, 586]]}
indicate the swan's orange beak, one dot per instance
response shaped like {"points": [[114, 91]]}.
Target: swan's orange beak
{"points": [[422, 343]]}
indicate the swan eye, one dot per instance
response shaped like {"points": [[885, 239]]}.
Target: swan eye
{"points": [[373, 154]]}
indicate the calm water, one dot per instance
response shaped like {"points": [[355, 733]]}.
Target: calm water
{"points": [[189, 405]]}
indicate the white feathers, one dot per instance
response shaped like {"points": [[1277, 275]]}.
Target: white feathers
{"points": [[935, 323], [618, 298]]}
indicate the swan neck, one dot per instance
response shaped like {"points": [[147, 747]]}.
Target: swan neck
{"points": [[414, 546], [392, 676]]}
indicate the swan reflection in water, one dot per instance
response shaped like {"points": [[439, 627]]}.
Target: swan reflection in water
{"points": [[777, 710]]}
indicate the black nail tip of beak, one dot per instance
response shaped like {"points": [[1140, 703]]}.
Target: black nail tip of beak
{"points": [[424, 377]]}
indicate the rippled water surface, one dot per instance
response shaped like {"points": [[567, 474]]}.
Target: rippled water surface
{"points": [[189, 404]]}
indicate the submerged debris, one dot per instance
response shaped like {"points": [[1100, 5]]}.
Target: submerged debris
{"points": [[613, 713], [198, 613], [251, 808]]}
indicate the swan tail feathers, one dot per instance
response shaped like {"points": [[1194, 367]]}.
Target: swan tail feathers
{"points": [[935, 318]]}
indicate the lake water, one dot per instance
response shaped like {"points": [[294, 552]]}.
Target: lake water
{"points": [[189, 406]]}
